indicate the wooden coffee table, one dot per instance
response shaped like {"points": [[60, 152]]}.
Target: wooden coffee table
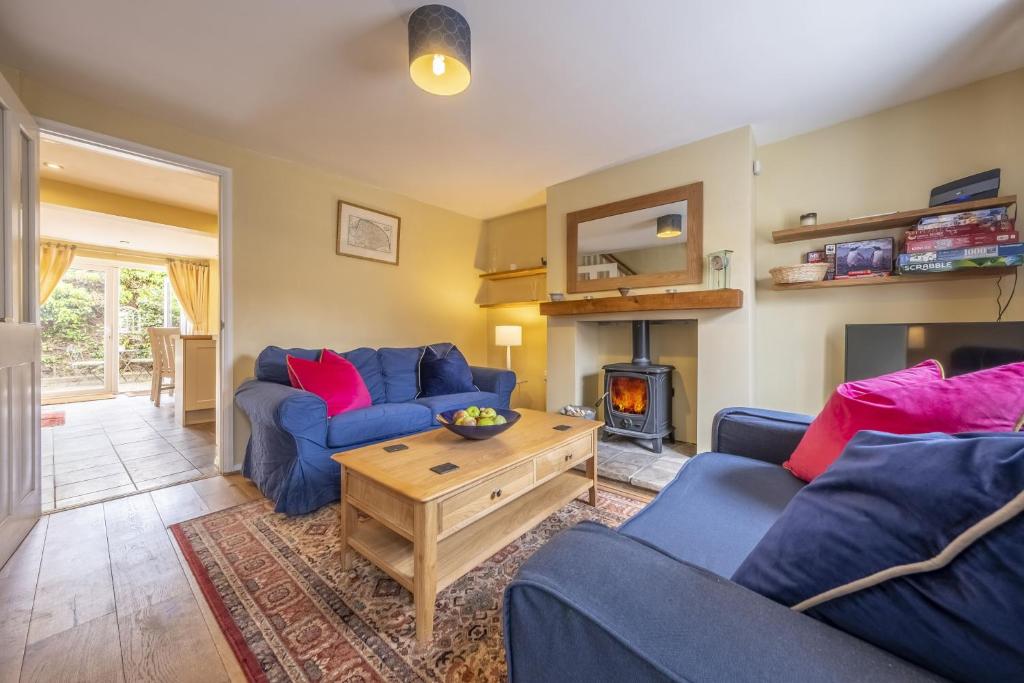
{"points": [[427, 529]]}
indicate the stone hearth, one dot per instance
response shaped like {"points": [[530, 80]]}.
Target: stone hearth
{"points": [[620, 459]]}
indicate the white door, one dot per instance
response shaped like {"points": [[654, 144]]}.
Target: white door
{"points": [[20, 461]]}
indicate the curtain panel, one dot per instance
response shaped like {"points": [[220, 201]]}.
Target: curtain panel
{"points": [[54, 260], [190, 281]]}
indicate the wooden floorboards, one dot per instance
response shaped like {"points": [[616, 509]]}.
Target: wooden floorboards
{"points": [[102, 593]]}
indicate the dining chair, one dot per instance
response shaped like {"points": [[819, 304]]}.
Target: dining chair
{"points": [[162, 341]]}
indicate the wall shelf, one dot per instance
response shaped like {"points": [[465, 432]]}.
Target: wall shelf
{"points": [[900, 219], [977, 274], [677, 301], [510, 274], [509, 304]]}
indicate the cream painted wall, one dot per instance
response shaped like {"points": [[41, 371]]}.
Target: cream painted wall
{"points": [[519, 238], [290, 288], [725, 338], [883, 162]]}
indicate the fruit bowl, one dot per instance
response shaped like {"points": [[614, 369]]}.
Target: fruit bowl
{"points": [[476, 432]]}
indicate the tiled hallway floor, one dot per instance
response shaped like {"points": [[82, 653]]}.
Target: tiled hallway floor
{"points": [[112, 448]]}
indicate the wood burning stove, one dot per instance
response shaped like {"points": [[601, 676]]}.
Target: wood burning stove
{"points": [[638, 394]]}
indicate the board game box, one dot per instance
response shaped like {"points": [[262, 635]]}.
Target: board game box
{"points": [[864, 258]]}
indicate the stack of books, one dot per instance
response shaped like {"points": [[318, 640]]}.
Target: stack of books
{"points": [[985, 238]]}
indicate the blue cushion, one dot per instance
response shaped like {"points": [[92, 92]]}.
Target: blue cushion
{"points": [[271, 367], [715, 511], [891, 501], [368, 364], [444, 372], [439, 404], [401, 369], [376, 423]]}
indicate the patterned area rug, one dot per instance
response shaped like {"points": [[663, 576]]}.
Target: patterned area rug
{"points": [[291, 614]]}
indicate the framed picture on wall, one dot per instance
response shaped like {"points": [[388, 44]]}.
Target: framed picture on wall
{"points": [[367, 234]]}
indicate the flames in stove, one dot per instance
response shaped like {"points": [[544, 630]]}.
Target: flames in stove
{"points": [[629, 395]]}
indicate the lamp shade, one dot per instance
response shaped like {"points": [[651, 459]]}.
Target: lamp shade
{"points": [[670, 225], [508, 335], [439, 50]]}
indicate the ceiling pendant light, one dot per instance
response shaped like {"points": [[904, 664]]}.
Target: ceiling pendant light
{"points": [[670, 225], [439, 50]]}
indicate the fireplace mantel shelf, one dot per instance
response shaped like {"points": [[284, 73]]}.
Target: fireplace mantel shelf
{"points": [[676, 301]]}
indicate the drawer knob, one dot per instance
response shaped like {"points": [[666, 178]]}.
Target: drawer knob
{"points": [[568, 457], [496, 493]]}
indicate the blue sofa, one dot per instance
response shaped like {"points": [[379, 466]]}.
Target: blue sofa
{"points": [[652, 600], [288, 455]]}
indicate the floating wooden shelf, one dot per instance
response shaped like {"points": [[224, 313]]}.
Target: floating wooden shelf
{"points": [[900, 219], [509, 304], [678, 301], [510, 274], [975, 274]]}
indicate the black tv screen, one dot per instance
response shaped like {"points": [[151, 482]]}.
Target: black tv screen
{"points": [[873, 350]]}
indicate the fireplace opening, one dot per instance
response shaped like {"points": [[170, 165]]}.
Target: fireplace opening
{"points": [[638, 394], [629, 395]]}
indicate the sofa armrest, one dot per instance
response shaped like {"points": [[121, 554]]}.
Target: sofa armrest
{"points": [[299, 413], [593, 605], [768, 435], [496, 381]]}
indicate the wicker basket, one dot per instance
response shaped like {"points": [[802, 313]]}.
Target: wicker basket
{"points": [[805, 272]]}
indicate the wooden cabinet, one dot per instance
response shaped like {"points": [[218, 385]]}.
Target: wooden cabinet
{"points": [[195, 379]]}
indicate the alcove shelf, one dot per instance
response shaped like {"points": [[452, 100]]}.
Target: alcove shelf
{"points": [[510, 274], [899, 219], [976, 274]]}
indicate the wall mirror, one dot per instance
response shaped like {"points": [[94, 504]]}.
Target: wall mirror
{"points": [[650, 241]]}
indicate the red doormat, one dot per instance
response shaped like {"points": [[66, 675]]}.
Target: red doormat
{"points": [[54, 419], [291, 614]]}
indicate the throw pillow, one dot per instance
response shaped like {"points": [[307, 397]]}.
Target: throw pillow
{"points": [[445, 372], [401, 368], [332, 378], [912, 543], [913, 401]]}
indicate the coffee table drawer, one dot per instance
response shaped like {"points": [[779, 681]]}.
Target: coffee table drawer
{"points": [[489, 493], [563, 457]]}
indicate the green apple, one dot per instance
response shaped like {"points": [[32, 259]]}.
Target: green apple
{"points": [[500, 420], [473, 411], [488, 412], [485, 422]]}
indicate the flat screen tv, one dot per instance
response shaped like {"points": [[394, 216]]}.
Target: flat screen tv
{"points": [[873, 350]]}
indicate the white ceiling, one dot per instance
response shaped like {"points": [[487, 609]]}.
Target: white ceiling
{"points": [[559, 89], [625, 231], [116, 232], [130, 175]]}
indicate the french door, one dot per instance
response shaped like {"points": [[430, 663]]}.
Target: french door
{"points": [[20, 459]]}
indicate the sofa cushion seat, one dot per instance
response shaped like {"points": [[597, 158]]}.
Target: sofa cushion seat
{"points": [[715, 511], [378, 422], [439, 404]]}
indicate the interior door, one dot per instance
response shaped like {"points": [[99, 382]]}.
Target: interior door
{"points": [[20, 460]]}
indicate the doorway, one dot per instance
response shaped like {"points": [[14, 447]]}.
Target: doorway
{"points": [[131, 327]]}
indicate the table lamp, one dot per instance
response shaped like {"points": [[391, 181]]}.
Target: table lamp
{"points": [[508, 336]]}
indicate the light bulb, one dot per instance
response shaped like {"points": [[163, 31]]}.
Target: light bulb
{"points": [[438, 65]]}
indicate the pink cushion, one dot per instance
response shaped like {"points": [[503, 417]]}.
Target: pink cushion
{"points": [[912, 401], [332, 378]]}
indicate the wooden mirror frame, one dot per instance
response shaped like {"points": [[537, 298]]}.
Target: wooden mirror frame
{"points": [[693, 194]]}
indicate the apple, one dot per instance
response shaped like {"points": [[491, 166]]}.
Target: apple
{"points": [[485, 422], [458, 415], [467, 422], [488, 412], [473, 411], [500, 420]]}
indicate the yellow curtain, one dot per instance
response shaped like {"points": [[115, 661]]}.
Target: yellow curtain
{"points": [[191, 283], [54, 261]]}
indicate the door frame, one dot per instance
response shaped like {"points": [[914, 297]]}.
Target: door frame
{"points": [[225, 408]]}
